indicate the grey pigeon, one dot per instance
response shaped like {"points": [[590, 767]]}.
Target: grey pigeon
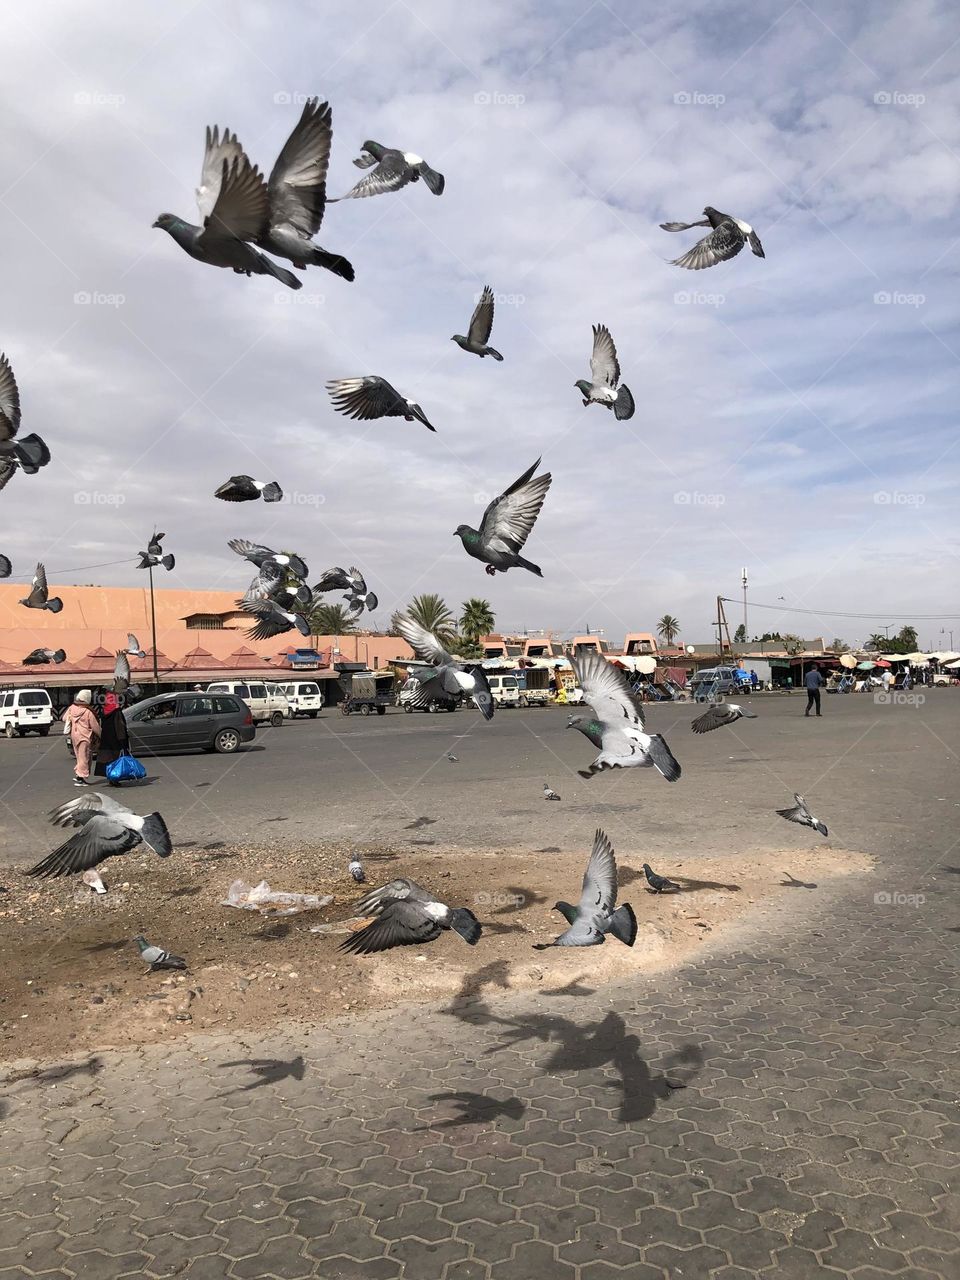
{"points": [[353, 582], [720, 714], [657, 883], [617, 723], [273, 619], [133, 646], [453, 677], [29, 453], [155, 545], [394, 169], [106, 828], [234, 206], [407, 914], [149, 560], [6, 568], [373, 397], [356, 870], [246, 489], [507, 524], [603, 387], [549, 793], [258, 554], [40, 657], [597, 913], [481, 322], [121, 673], [157, 957], [801, 814], [452, 758], [39, 597], [726, 239]]}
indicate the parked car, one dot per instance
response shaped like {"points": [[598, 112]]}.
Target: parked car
{"points": [[411, 689], [267, 704], [715, 682], [304, 696], [189, 721], [25, 711], [366, 691], [505, 690]]}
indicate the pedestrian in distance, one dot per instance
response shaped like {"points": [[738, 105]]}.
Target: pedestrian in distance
{"points": [[84, 730], [754, 680], [813, 681], [114, 738]]}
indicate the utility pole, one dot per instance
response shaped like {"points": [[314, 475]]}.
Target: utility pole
{"points": [[743, 583], [153, 629]]}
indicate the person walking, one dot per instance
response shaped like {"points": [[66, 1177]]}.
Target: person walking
{"points": [[84, 730], [813, 681], [114, 738], [754, 680]]}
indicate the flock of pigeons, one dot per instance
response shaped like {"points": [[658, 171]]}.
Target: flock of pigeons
{"points": [[244, 219]]}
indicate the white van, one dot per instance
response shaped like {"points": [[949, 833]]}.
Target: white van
{"points": [[25, 711], [304, 696], [505, 690], [266, 702]]}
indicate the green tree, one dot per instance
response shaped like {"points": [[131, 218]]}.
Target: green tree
{"points": [[792, 644], [740, 635], [431, 612], [476, 619], [332, 620], [839, 646], [877, 642], [668, 628], [907, 639]]}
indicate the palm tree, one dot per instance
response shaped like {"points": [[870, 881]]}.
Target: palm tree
{"points": [[477, 618], [876, 642], [332, 620], [431, 612], [668, 628]]}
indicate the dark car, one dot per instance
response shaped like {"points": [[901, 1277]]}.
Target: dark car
{"points": [[189, 721]]}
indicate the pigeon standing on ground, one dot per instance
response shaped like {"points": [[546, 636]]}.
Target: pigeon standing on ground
{"points": [[39, 597], [258, 554], [29, 453], [40, 657], [235, 207], [617, 725], [597, 913], [407, 914], [720, 714], [452, 758], [478, 334], [356, 870], [373, 397], [603, 387], [394, 169], [354, 583], [507, 524], [657, 883], [549, 793], [6, 568], [246, 489], [726, 239], [106, 828], [453, 677], [157, 957], [801, 814]]}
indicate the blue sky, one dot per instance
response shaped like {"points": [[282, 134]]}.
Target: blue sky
{"points": [[796, 415]]}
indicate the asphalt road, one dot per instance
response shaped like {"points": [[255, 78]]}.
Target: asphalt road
{"points": [[874, 773]]}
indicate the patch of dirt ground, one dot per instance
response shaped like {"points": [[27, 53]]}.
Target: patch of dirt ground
{"points": [[73, 980]]}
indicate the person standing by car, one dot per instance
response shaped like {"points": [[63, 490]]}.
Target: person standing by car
{"points": [[84, 730], [813, 680], [114, 739]]}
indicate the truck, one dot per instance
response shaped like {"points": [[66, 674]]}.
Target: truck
{"points": [[366, 691], [534, 686]]}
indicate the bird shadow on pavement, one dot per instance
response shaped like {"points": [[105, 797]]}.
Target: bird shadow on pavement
{"points": [[628, 875], [517, 896], [97, 948], [476, 1108], [267, 1071], [273, 931], [573, 988], [417, 823], [792, 882], [185, 891], [494, 974], [499, 927], [67, 1070], [422, 842], [551, 848]]}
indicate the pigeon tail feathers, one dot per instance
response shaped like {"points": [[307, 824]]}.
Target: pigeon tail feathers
{"points": [[155, 833], [623, 925], [528, 564], [624, 406], [663, 758], [464, 922]]}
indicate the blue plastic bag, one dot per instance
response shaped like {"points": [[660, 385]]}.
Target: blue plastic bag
{"points": [[125, 768]]}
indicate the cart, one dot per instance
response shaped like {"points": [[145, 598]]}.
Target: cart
{"points": [[365, 692]]}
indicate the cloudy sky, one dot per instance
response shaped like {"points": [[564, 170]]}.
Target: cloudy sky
{"points": [[796, 415]]}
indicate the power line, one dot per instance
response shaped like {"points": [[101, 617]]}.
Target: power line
{"points": [[828, 613], [106, 564]]}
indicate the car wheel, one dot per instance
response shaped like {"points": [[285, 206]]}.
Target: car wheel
{"points": [[344, 708], [226, 741], [44, 730], [10, 730], [522, 702], [407, 708], [381, 711], [313, 714], [365, 709], [277, 719]]}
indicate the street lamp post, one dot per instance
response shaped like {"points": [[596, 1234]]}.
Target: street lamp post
{"points": [[153, 629]]}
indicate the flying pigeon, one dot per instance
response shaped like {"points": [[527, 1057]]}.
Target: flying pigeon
{"points": [[106, 828], [394, 169], [453, 676], [657, 883], [720, 714], [29, 453], [800, 813], [356, 870], [40, 657], [272, 619], [133, 646], [358, 597], [148, 561], [39, 596], [246, 489], [6, 568], [481, 322], [726, 239], [154, 546], [121, 673], [549, 793], [407, 914], [235, 207], [297, 192], [507, 524], [597, 913], [92, 878], [257, 554], [605, 376], [617, 725], [373, 397], [156, 957]]}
